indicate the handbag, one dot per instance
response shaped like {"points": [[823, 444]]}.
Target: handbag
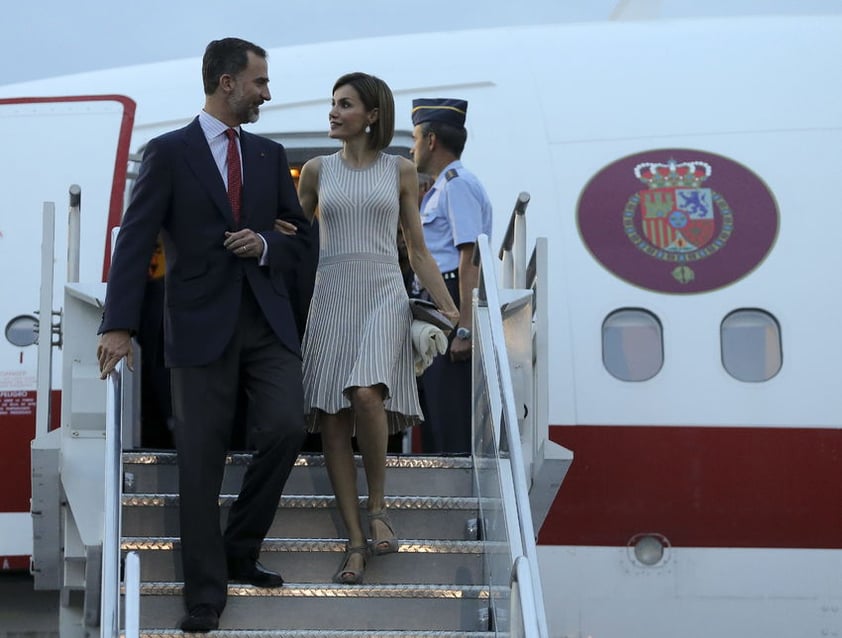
{"points": [[426, 311]]}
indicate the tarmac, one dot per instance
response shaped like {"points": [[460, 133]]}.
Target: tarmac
{"points": [[24, 612]]}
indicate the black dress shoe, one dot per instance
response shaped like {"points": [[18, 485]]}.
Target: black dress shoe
{"points": [[202, 618], [250, 571]]}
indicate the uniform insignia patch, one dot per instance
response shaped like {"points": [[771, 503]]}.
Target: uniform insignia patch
{"points": [[449, 175]]}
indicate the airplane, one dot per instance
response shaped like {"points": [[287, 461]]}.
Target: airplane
{"points": [[684, 174]]}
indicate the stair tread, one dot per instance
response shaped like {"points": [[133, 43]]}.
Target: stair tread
{"points": [[320, 633], [443, 609], [168, 543], [319, 501], [310, 460], [332, 590]]}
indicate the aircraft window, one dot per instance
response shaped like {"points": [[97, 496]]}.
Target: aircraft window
{"points": [[22, 331], [632, 344], [751, 345]]}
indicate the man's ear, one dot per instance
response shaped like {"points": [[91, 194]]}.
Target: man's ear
{"points": [[226, 82]]}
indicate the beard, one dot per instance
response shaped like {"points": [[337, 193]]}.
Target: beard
{"points": [[246, 112]]}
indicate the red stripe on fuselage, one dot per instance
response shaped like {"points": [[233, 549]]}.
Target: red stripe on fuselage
{"points": [[699, 486], [14, 563]]}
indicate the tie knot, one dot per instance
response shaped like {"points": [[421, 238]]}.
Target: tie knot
{"points": [[231, 133]]}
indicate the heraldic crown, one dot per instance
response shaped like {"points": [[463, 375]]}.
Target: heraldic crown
{"points": [[683, 174]]}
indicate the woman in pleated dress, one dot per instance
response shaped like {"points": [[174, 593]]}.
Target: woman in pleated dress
{"points": [[359, 377]]}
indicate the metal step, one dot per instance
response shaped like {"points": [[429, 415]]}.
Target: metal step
{"points": [[315, 561], [300, 606], [431, 588], [409, 475], [439, 518], [317, 633]]}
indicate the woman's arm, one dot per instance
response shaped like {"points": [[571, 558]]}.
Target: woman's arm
{"points": [[420, 259], [308, 187]]}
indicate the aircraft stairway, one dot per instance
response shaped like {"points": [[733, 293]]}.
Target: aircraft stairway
{"points": [[105, 514], [432, 587]]}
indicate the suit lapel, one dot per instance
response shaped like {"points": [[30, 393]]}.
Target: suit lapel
{"points": [[201, 162]]}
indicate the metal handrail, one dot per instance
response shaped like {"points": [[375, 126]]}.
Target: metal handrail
{"points": [[522, 579], [115, 414], [520, 209], [110, 584], [513, 249], [119, 413], [132, 600], [488, 297]]}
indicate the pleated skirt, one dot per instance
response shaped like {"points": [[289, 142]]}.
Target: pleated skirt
{"points": [[358, 335]]}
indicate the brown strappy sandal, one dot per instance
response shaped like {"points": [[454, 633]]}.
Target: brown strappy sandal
{"points": [[385, 545], [346, 576]]}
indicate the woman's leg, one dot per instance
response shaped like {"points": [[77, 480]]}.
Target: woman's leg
{"points": [[372, 440], [339, 457]]}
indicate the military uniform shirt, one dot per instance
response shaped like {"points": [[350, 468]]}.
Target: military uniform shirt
{"points": [[456, 210]]}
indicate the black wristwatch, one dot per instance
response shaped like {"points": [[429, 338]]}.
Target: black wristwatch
{"points": [[463, 333]]}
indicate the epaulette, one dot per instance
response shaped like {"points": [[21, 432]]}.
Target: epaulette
{"points": [[449, 175]]}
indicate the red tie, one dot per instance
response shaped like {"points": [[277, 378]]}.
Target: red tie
{"points": [[235, 176]]}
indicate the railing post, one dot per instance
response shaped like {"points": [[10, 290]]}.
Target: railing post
{"points": [[74, 226], [45, 320]]}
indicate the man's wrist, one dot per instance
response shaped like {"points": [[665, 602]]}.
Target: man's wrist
{"points": [[463, 333]]}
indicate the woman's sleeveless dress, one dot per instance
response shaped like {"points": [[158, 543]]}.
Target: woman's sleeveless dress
{"points": [[358, 328]]}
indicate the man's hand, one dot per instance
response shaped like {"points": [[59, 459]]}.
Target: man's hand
{"points": [[113, 346], [460, 349], [244, 243]]}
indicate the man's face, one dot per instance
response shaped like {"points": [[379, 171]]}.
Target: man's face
{"points": [[250, 90], [420, 149]]}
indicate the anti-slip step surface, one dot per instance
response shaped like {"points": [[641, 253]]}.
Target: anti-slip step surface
{"points": [[431, 588], [297, 606], [317, 633], [302, 516], [407, 475], [316, 560]]}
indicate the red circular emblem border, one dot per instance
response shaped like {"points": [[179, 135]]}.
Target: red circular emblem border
{"points": [[604, 203]]}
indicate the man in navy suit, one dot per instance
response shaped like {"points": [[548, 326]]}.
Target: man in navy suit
{"points": [[228, 320]]}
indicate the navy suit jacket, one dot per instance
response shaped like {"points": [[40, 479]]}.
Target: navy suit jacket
{"points": [[180, 193]]}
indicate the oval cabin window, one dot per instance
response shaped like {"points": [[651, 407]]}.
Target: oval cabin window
{"points": [[632, 344], [751, 345]]}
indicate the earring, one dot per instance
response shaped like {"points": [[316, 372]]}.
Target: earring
{"points": [[367, 129]]}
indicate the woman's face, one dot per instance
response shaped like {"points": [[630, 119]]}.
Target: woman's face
{"points": [[348, 116]]}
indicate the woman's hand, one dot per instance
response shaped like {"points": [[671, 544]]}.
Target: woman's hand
{"points": [[285, 227], [452, 316]]}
